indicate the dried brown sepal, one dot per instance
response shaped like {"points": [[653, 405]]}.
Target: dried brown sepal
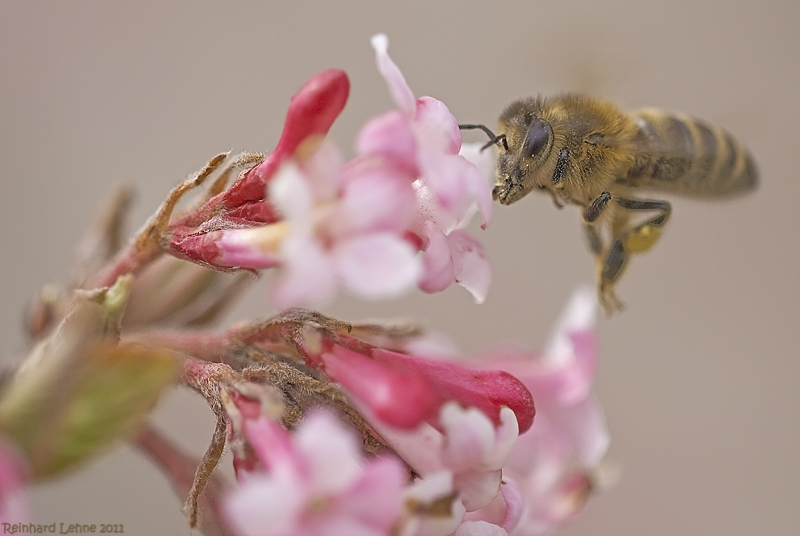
{"points": [[388, 336], [148, 242], [214, 382], [280, 333], [103, 239], [240, 161], [302, 391], [156, 228], [204, 470]]}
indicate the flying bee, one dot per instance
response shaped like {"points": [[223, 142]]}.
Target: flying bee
{"points": [[589, 153]]}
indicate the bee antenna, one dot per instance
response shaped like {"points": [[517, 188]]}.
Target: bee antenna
{"points": [[493, 140]]}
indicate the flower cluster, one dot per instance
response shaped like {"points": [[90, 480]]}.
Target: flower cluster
{"points": [[336, 429], [325, 222]]}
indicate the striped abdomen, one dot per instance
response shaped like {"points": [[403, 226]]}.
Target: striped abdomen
{"points": [[688, 156]]}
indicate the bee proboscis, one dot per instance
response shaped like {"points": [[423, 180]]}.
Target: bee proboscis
{"points": [[589, 153]]}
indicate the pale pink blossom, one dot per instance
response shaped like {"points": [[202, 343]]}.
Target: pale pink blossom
{"points": [[432, 509], [314, 482], [403, 391], [324, 223], [448, 187], [437, 415], [342, 225], [14, 506], [554, 463], [467, 445]]}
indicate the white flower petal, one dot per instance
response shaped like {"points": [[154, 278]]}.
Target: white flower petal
{"points": [[480, 528], [265, 506], [291, 192], [469, 437], [401, 93], [470, 264], [377, 265], [331, 453], [307, 276], [579, 315]]}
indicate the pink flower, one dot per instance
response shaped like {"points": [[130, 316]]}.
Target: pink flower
{"points": [[314, 483], [448, 186], [343, 225], [14, 507], [437, 415], [403, 391], [554, 463], [324, 223], [468, 446]]}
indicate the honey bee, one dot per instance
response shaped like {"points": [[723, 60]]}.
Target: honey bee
{"points": [[590, 153]]}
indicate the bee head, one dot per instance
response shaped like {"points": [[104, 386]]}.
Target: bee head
{"points": [[529, 142]]}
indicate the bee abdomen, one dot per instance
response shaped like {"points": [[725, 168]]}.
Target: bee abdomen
{"points": [[689, 156]]}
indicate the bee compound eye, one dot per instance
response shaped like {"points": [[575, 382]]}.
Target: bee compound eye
{"points": [[538, 137]]}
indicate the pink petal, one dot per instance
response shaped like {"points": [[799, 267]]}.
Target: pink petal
{"points": [[437, 263], [307, 276], [394, 396], [389, 136], [265, 506], [313, 109], [515, 503], [273, 446], [505, 440], [377, 265], [240, 248], [323, 170], [377, 196], [292, 194], [312, 112], [470, 264], [14, 506], [481, 192], [436, 128], [469, 437], [419, 447], [331, 453], [579, 315], [585, 431], [377, 498], [483, 160], [457, 186], [479, 528], [398, 88], [478, 488], [486, 390], [336, 523], [444, 175]]}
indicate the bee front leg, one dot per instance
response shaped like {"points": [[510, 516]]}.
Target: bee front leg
{"points": [[594, 239], [628, 239]]}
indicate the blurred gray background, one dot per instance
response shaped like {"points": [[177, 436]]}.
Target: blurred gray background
{"points": [[698, 378]]}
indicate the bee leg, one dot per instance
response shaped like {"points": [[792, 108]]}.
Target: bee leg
{"points": [[626, 241], [610, 271], [644, 236], [594, 239], [593, 211]]}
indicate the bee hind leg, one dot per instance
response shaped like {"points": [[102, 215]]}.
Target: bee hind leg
{"points": [[644, 236], [627, 240]]}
